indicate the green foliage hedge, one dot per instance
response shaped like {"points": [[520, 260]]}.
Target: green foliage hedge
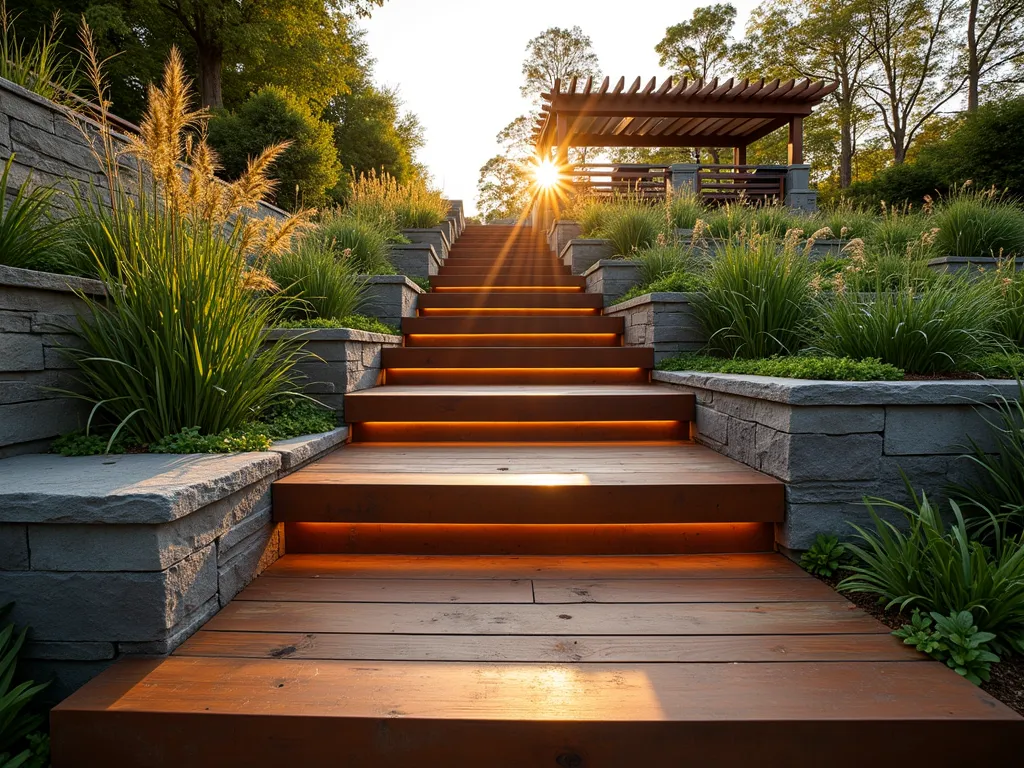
{"points": [[794, 367]]}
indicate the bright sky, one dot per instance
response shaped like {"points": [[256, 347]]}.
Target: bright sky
{"points": [[457, 64]]}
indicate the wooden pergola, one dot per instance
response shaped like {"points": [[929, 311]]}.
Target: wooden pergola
{"points": [[678, 113]]}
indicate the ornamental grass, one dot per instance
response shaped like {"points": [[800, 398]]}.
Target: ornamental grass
{"points": [[180, 341]]}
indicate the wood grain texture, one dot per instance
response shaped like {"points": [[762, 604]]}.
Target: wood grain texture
{"points": [[686, 591], [578, 619], [550, 649], [390, 590]]}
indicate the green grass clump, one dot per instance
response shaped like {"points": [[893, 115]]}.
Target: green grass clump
{"points": [[422, 282], [792, 367], [657, 261], [1008, 282], [684, 211], [728, 220], [362, 245], [933, 331], [846, 221], [354, 322], [972, 224], [633, 226], [319, 284], [29, 238], [897, 229], [757, 300]]}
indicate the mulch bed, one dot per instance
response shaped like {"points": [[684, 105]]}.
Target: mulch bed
{"points": [[1007, 683]]}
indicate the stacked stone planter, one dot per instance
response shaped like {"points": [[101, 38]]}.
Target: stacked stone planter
{"points": [[664, 321], [38, 314], [435, 237], [560, 233], [457, 215], [348, 360], [111, 555], [414, 259], [389, 298], [581, 254], [974, 267], [834, 443], [612, 278]]}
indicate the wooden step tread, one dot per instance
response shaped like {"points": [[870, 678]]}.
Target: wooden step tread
{"points": [[512, 324], [517, 357], [546, 484], [270, 712], [526, 282], [560, 300], [523, 403]]}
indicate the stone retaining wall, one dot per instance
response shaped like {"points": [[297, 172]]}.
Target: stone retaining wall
{"points": [[560, 233], [111, 555], [348, 360], [389, 298], [414, 259], [833, 443], [48, 145], [581, 254], [434, 237], [664, 321], [38, 311], [612, 278]]}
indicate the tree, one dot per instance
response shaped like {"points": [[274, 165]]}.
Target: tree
{"points": [[303, 36], [815, 39], [557, 53], [502, 190], [306, 170], [910, 48], [699, 48], [995, 39]]}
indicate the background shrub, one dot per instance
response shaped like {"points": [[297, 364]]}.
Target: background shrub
{"points": [[306, 169], [972, 224]]}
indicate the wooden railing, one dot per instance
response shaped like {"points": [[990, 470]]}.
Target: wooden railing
{"points": [[752, 183], [612, 179]]}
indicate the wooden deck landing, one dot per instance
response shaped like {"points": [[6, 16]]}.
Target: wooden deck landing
{"points": [[724, 660]]}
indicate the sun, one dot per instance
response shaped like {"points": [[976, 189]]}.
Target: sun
{"points": [[546, 174]]}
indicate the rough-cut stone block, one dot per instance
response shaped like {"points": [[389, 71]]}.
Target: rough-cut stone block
{"points": [[742, 441], [38, 420], [942, 429], [434, 237], [560, 233], [142, 547], [415, 260], [825, 420], [72, 153], [579, 255], [54, 323], [713, 425], [5, 133], [177, 634], [37, 114], [138, 488], [13, 547], [612, 278], [21, 352], [299, 450], [14, 322], [800, 457], [251, 557], [805, 521], [111, 606], [57, 651], [389, 298]]}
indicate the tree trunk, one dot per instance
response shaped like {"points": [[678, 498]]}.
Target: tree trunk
{"points": [[845, 149], [973, 68], [211, 65]]}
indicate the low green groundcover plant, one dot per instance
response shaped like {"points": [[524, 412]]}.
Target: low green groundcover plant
{"points": [[954, 639], [21, 743], [676, 282], [290, 418], [940, 568], [355, 322], [825, 557], [794, 367]]}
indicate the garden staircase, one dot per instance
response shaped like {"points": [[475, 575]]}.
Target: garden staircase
{"points": [[521, 559]]}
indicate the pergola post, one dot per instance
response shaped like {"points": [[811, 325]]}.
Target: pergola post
{"points": [[739, 155], [796, 141]]}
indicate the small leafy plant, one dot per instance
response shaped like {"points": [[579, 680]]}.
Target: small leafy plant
{"points": [[825, 557], [20, 745], [955, 640]]}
